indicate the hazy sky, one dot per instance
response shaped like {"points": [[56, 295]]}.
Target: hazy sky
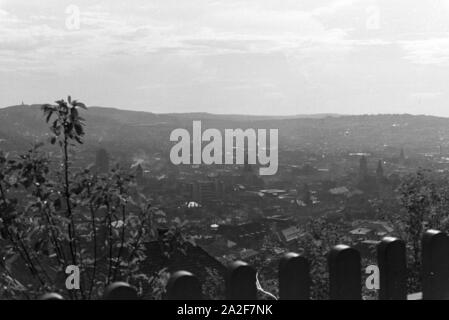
{"points": [[229, 56]]}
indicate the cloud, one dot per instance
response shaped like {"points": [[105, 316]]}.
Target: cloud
{"points": [[219, 22], [426, 95], [222, 54], [433, 51], [333, 7]]}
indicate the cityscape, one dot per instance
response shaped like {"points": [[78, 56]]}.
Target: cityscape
{"points": [[324, 193], [233, 150]]}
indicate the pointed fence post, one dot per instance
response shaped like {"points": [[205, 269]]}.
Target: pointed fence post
{"points": [[241, 282], [294, 277], [120, 291], [183, 285], [435, 265], [345, 276], [391, 259]]}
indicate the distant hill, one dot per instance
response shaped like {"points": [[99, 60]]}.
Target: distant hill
{"points": [[127, 132]]}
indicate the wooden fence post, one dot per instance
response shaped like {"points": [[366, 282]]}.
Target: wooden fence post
{"points": [[294, 277], [120, 291], [241, 282], [345, 276], [183, 285], [51, 296], [435, 265], [391, 259]]}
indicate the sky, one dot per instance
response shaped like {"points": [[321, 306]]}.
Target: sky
{"points": [[270, 57]]}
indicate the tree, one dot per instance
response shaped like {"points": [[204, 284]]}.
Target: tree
{"points": [[52, 216], [67, 126], [420, 197], [318, 239]]}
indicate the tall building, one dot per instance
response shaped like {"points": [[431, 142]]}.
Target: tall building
{"points": [[207, 192], [402, 156], [379, 170], [363, 168], [220, 189], [195, 192], [139, 174], [305, 195]]}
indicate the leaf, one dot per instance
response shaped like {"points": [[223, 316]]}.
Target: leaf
{"points": [[47, 107], [50, 113], [79, 129], [74, 114], [79, 104]]}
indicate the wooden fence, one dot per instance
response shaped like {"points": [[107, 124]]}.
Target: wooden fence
{"points": [[345, 275]]}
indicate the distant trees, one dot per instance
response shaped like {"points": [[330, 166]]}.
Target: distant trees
{"points": [[52, 216], [424, 197], [422, 203], [318, 239], [102, 161]]}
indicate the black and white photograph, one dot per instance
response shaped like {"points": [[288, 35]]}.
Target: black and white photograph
{"points": [[242, 151]]}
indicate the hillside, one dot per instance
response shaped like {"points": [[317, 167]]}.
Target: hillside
{"points": [[126, 132]]}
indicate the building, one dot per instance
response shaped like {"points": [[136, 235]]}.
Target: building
{"points": [[363, 168], [291, 233], [207, 192]]}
